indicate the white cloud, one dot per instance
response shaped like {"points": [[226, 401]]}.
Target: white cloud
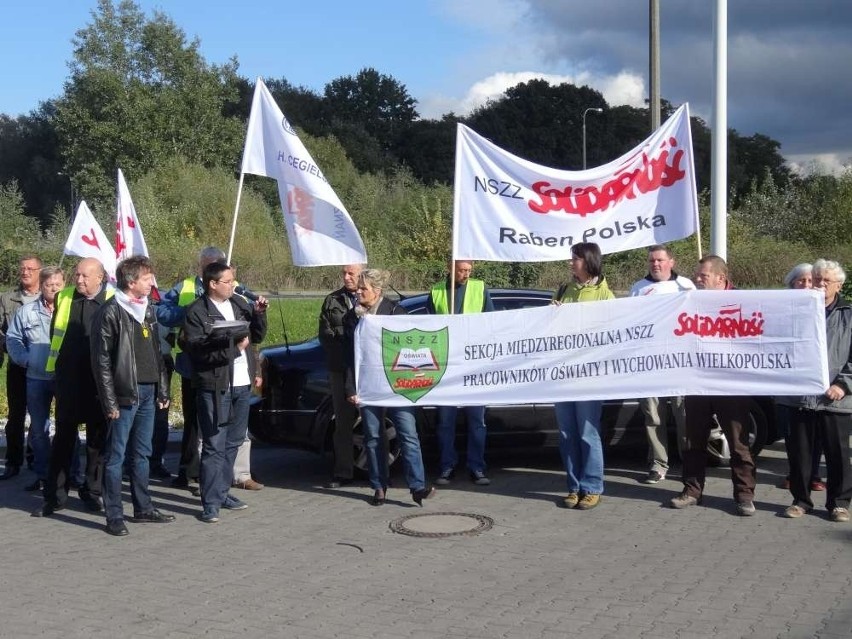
{"points": [[823, 163], [621, 89]]}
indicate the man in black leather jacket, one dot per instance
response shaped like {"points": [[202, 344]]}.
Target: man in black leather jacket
{"points": [[130, 379], [224, 369]]}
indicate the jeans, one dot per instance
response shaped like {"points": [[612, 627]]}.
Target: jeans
{"points": [[39, 398], [160, 439], [130, 431], [446, 431], [406, 433], [580, 445], [223, 421]]}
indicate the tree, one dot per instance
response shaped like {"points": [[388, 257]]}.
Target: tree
{"points": [[139, 93]]}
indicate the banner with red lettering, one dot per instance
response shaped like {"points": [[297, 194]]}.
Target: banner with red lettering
{"points": [[87, 239], [512, 210], [319, 227], [692, 343]]}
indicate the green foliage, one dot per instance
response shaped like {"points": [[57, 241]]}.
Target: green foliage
{"points": [[138, 94]]}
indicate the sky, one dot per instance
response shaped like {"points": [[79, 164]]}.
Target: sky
{"points": [[789, 70]]}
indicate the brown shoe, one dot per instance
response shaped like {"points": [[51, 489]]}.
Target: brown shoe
{"points": [[588, 501], [248, 484], [571, 500]]}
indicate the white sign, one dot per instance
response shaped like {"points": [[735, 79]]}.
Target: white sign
{"points": [[319, 228], [87, 239], [128, 232], [509, 209], [692, 343]]}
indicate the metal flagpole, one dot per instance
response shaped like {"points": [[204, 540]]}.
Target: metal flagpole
{"points": [[719, 149]]}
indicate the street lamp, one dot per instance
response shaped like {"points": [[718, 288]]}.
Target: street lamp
{"points": [[596, 110]]}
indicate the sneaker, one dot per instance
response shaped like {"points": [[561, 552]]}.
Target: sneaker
{"points": [[232, 503], [840, 514], [746, 508], [153, 517], [654, 477], [571, 500], [209, 516], [684, 500], [445, 477], [794, 512], [479, 478], [588, 501]]}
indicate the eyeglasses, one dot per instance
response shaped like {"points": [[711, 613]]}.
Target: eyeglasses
{"points": [[818, 280]]}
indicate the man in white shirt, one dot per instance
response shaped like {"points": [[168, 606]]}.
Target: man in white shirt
{"points": [[661, 280]]}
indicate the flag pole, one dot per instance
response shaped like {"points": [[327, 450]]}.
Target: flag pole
{"points": [[236, 212]]}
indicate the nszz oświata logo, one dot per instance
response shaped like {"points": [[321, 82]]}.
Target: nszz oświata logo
{"points": [[414, 360]]}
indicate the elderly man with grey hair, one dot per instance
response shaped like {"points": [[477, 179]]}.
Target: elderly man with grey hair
{"points": [[827, 416]]}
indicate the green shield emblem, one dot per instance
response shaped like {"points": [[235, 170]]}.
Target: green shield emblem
{"points": [[414, 360]]}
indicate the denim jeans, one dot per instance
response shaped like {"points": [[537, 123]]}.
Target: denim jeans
{"points": [[129, 433], [409, 443], [39, 398], [223, 421], [446, 431], [580, 445]]}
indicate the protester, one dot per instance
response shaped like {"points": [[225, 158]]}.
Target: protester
{"points": [[371, 283], [171, 312], [799, 277], [28, 345], [131, 379], [471, 296], [580, 422], [828, 416], [16, 375], [661, 280], [223, 368], [732, 414], [331, 336], [76, 394]]}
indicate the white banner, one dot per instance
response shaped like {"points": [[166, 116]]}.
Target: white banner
{"points": [[693, 343], [87, 239], [319, 228], [509, 209], [128, 233]]}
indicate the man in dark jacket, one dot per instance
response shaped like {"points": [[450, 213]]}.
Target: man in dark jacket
{"points": [[130, 378], [16, 376], [76, 395], [332, 338], [218, 334]]}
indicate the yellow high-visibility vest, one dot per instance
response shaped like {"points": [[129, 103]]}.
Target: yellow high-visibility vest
{"points": [[474, 297], [60, 324]]}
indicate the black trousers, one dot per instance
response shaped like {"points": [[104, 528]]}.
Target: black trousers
{"points": [[833, 431], [16, 395], [189, 461], [160, 438], [732, 413], [61, 452]]}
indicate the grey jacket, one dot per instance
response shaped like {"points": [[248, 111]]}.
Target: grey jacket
{"points": [[28, 338], [838, 337]]}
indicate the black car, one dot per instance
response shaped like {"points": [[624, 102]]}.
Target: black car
{"points": [[296, 409]]}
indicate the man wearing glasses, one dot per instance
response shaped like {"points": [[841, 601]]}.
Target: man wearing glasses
{"points": [[27, 291], [218, 334]]}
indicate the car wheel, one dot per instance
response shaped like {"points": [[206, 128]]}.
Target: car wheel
{"points": [[719, 452], [360, 451]]}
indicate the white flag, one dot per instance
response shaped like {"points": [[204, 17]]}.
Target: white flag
{"points": [[509, 209], [87, 239], [128, 232], [319, 228]]}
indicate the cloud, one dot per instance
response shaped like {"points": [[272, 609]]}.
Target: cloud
{"points": [[621, 89]]}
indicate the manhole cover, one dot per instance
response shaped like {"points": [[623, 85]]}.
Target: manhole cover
{"points": [[441, 524]]}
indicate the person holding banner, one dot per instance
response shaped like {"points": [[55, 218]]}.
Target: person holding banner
{"points": [[661, 280], [471, 296], [828, 416], [331, 336], [371, 282], [732, 414], [580, 422]]}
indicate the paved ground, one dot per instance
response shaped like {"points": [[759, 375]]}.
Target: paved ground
{"points": [[306, 562]]}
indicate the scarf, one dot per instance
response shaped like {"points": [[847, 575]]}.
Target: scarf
{"points": [[135, 307]]}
